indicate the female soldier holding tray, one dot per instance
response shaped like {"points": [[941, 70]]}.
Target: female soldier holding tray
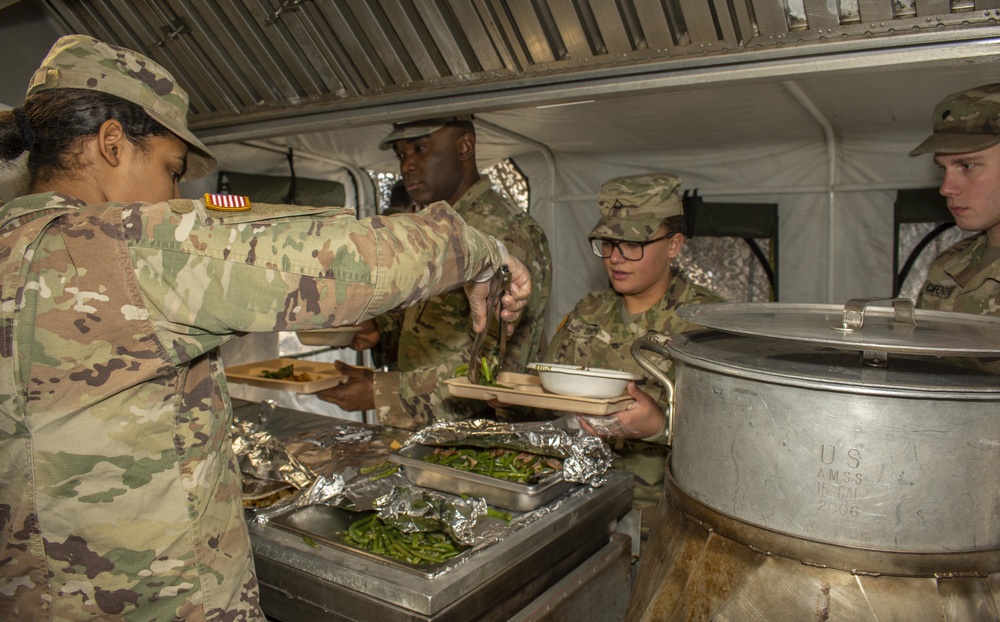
{"points": [[639, 234]]}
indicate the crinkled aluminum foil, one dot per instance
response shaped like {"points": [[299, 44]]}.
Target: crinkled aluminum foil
{"points": [[263, 457], [362, 492], [585, 458], [411, 509], [339, 433], [322, 490]]}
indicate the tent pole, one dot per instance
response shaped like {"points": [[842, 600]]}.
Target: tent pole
{"points": [[831, 156]]}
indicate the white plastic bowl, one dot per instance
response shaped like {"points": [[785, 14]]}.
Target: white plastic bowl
{"points": [[577, 381]]}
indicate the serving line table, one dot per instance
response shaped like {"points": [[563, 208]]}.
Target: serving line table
{"points": [[570, 564]]}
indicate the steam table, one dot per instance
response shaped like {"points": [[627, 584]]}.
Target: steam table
{"points": [[567, 565]]}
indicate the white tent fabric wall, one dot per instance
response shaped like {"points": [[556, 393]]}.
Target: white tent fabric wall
{"points": [[827, 254]]}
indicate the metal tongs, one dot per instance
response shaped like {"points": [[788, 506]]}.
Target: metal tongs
{"points": [[499, 283]]}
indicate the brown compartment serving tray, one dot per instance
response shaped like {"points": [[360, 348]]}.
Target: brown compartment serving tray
{"points": [[498, 492], [325, 375], [324, 524], [527, 394]]}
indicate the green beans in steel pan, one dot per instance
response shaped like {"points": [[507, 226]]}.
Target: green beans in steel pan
{"points": [[506, 464], [372, 534]]}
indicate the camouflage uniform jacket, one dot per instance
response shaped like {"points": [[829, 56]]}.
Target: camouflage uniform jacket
{"points": [[594, 334], [120, 497], [954, 284], [432, 338]]}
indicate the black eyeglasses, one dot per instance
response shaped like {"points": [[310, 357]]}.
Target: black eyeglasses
{"points": [[630, 251]]}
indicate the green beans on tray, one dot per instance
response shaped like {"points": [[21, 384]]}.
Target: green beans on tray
{"points": [[505, 464], [372, 534]]}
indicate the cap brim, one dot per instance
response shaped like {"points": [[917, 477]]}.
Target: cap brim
{"points": [[200, 160], [955, 143], [386, 143], [407, 132], [633, 229], [416, 129]]}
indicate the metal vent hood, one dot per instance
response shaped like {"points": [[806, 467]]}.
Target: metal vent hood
{"points": [[259, 68]]}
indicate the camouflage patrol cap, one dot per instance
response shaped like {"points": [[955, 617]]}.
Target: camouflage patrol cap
{"points": [[965, 121], [634, 207], [416, 129], [82, 62]]}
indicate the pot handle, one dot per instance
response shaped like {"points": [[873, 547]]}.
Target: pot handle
{"points": [[854, 312], [647, 344]]}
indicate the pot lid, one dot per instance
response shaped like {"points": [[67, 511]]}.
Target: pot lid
{"points": [[857, 325], [786, 362]]}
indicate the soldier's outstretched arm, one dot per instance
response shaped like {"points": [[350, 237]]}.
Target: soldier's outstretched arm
{"points": [[512, 303]]}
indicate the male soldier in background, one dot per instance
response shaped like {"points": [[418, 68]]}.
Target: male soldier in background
{"points": [[966, 145], [437, 160]]}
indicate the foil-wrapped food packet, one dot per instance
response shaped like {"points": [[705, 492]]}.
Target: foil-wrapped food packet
{"points": [[270, 474], [411, 509], [585, 458], [369, 484], [263, 457]]}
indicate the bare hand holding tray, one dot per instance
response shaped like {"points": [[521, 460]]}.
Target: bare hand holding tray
{"points": [[322, 375], [526, 390]]}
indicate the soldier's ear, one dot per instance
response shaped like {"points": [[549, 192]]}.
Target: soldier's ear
{"points": [[675, 244], [110, 139], [466, 146]]}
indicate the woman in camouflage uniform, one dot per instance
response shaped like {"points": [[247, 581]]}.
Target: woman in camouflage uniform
{"points": [[120, 497], [640, 232]]}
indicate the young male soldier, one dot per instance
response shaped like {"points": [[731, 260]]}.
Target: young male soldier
{"points": [[966, 145], [437, 160]]}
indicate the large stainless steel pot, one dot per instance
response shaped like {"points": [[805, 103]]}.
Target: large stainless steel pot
{"points": [[858, 438]]}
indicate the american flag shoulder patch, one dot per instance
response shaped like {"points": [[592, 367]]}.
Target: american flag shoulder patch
{"points": [[227, 202]]}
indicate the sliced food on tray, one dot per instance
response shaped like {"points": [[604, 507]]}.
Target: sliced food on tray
{"points": [[287, 374]]}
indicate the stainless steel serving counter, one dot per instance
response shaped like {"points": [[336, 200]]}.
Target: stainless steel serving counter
{"points": [[566, 565]]}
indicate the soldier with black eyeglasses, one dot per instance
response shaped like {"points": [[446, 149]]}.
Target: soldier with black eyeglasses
{"points": [[631, 251], [639, 234]]}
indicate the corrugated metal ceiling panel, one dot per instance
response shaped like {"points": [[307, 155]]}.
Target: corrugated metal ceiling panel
{"points": [[262, 59]]}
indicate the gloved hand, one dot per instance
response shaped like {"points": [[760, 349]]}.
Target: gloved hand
{"points": [[642, 418]]}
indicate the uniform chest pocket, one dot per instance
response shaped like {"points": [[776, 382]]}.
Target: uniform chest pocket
{"points": [[585, 344]]}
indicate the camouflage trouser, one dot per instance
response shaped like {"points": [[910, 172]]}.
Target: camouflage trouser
{"points": [[647, 461]]}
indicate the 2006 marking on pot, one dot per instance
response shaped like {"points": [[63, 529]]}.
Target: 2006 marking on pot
{"points": [[830, 482]]}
